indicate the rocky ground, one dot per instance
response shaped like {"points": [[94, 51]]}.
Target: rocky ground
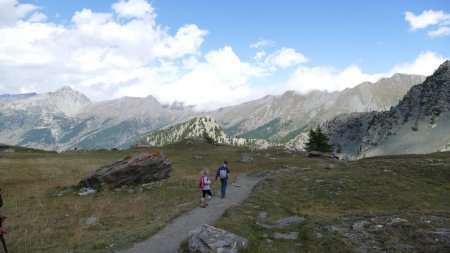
{"points": [[402, 232]]}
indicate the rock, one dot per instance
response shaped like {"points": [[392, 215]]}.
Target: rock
{"points": [[208, 239], [245, 158], [90, 220], [397, 220], [289, 221], [141, 168], [288, 236], [358, 226], [86, 191], [262, 215]]}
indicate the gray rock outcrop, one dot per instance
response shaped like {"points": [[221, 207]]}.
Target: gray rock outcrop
{"points": [[245, 158], [208, 239], [140, 168], [417, 124]]}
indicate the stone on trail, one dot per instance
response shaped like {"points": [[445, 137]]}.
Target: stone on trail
{"points": [[140, 168], [208, 239]]}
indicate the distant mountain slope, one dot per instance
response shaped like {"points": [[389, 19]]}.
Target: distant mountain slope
{"points": [[284, 116], [39, 121], [122, 122], [14, 97], [420, 123], [66, 119], [205, 126]]}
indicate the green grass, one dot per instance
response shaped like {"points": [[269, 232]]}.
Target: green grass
{"points": [[40, 221], [409, 186]]}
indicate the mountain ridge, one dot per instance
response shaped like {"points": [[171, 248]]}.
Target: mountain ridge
{"points": [[301, 111], [68, 119], [419, 123]]}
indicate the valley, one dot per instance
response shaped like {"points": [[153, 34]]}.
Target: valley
{"points": [[41, 199]]}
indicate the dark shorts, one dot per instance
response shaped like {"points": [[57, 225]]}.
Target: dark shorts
{"points": [[206, 192]]}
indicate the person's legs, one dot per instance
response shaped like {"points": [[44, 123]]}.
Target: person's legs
{"points": [[224, 187], [208, 197], [204, 202]]}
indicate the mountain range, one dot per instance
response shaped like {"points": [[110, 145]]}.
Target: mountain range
{"points": [[66, 119], [419, 123], [285, 116]]}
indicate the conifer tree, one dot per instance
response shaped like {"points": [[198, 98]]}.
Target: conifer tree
{"points": [[318, 141]]}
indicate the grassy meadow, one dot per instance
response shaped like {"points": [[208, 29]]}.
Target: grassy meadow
{"points": [[45, 215], [379, 204]]}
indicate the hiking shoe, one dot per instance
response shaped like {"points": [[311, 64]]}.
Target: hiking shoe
{"points": [[203, 206]]}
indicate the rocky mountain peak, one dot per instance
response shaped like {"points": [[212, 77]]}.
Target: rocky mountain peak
{"points": [[421, 116], [68, 93], [432, 97], [444, 66], [204, 126]]}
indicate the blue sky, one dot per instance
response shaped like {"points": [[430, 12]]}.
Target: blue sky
{"points": [[241, 49]]}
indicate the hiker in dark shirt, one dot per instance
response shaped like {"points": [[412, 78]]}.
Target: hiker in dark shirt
{"points": [[222, 173]]}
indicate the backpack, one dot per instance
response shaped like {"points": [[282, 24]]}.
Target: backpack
{"points": [[201, 184], [223, 173]]}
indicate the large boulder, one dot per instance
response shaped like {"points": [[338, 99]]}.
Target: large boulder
{"points": [[140, 168], [208, 239]]}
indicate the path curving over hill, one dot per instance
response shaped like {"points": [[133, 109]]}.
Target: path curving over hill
{"points": [[169, 238]]}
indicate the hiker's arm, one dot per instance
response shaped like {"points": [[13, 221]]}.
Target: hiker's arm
{"points": [[217, 174], [2, 230]]}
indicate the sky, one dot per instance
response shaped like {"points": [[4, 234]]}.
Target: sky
{"points": [[217, 53]]}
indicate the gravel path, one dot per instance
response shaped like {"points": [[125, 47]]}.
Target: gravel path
{"points": [[169, 238]]}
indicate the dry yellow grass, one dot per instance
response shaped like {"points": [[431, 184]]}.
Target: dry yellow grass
{"points": [[41, 221]]}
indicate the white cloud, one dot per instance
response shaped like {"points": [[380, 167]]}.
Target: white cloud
{"points": [[11, 11], [187, 41], [282, 58], [428, 18], [125, 51], [133, 9], [222, 79], [262, 43], [305, 79], [97, 53], [441, 31], [425, 64], [37, 17]]}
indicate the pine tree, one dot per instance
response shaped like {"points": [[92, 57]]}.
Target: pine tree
{"points": [[318, 141]]}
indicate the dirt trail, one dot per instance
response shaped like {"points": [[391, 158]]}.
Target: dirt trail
{"points": [[169, 238]]}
